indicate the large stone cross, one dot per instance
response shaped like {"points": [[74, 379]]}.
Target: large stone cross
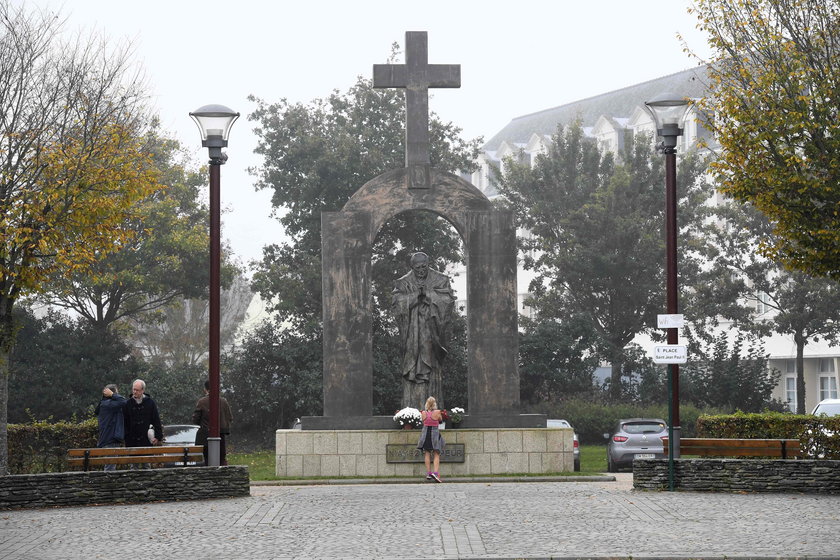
{"points": [[417, 76]]}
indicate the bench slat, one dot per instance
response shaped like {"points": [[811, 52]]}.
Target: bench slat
{"points": [[118, 451], [135, 459], [86, 458]]}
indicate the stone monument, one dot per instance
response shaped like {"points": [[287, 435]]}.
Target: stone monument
{"points": [[489, 238]]}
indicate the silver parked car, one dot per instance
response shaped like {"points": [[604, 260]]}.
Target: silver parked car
{"points": [[558, 423], [635, 438], [829, 407], [179, 435]]}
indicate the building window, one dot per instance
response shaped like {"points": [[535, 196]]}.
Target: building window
{"points": [[826, 365], [762, 300], [828, 387], [790, 392]]}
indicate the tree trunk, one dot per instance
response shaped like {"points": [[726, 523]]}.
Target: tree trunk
{"points": [[615, 380], [4, 411], [800, 372], [7, 340]]}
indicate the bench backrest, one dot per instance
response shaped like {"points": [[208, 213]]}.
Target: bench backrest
{"points": [[731, 447], [87, 458]]}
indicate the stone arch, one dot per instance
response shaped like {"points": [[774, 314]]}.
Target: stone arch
{"points": [[489, 238]]}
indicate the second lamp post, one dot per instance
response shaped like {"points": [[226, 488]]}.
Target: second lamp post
{"points": [[668, 112], [214, 122]]}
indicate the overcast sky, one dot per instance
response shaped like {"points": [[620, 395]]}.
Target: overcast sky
{"points": [[516, 58]]}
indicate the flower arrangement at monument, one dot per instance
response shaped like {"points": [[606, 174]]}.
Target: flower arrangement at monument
{"points": [[456, 414], [408, 417]]}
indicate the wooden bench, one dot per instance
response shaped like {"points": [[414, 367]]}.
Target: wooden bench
{"points": [[714, 447], [98, 456]]}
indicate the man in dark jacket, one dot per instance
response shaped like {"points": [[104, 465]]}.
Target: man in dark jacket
{"points": [[111, 420], [201, 416], [141, 414]]}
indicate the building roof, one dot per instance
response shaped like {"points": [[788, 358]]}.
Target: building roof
{"points": [[619, 103]]}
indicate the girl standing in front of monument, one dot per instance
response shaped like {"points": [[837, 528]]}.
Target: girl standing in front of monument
{"points": [[431, 442]]}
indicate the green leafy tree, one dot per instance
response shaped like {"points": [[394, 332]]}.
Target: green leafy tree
{"points": [[741, 280], [775, 89], [316, 156], [555, 360], [175, 388], [60, 365], [596, 241], [72, 166], [274, 378], [166, 258], [731, 374]]}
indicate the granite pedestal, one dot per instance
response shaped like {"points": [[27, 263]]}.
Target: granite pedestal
{"points": [[362, 453]]}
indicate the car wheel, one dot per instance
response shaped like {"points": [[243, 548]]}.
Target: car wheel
{"points": [[610, 466], [577, 465]]}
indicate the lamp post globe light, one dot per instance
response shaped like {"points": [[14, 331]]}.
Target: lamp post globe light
{"points": [[214, 122], [668, 113]]}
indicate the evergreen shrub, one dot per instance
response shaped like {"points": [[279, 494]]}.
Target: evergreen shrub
{"points": [[41, 446], [819, 436]]}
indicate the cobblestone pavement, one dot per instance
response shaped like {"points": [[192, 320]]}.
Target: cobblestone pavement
{"points": [[426, 520]]}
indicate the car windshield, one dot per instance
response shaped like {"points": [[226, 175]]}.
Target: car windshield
{"points": [[642, 427], [829, 409], [178, 432]]}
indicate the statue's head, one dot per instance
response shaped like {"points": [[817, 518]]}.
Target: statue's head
{"points": [[420, 265]]}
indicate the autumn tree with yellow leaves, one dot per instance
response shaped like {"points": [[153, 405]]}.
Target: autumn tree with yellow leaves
{"points": [[775, 101], [166, 258], [72, 163]]}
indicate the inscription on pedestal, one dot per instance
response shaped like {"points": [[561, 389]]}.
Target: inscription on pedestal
{"points": [[408, 453]]}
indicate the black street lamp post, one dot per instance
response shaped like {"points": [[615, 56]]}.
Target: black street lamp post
{"points": [[668, 112], [214, 122]]}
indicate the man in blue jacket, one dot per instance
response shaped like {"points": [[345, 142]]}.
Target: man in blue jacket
{"points": [[111, 420]]}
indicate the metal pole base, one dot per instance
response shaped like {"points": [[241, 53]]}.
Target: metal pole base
{"points": [[677, 442], [214, 451]]}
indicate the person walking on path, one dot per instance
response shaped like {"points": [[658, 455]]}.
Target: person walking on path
{"points": [[109, 413], [431, 442], [141, 418], [201, 416]]}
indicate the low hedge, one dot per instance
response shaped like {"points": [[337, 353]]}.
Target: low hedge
{"points": [[819, 436], [41, 447]]}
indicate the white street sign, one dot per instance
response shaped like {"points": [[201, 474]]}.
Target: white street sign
{"points": [[670, 354], [670, 321]]}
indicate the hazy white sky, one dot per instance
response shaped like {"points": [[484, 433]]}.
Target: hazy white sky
{"points": [[516, 58]]}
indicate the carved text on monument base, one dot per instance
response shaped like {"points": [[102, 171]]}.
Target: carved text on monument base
{"points": [[408, 453]]}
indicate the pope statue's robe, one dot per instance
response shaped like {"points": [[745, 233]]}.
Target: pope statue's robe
{"points": [[423, 309]]}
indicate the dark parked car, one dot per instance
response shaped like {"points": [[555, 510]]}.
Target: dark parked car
{"points": [[635, 438], [179, 435], [552, 423]]}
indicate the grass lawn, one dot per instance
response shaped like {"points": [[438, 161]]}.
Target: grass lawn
{"points": [[593, 460], [260, 464]]}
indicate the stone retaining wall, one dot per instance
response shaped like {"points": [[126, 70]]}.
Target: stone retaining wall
{"points": [[129, 486], [740, 475], [362, 452]]}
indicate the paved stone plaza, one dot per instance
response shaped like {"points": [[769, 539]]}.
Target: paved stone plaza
{"points": [[450, 520]]}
